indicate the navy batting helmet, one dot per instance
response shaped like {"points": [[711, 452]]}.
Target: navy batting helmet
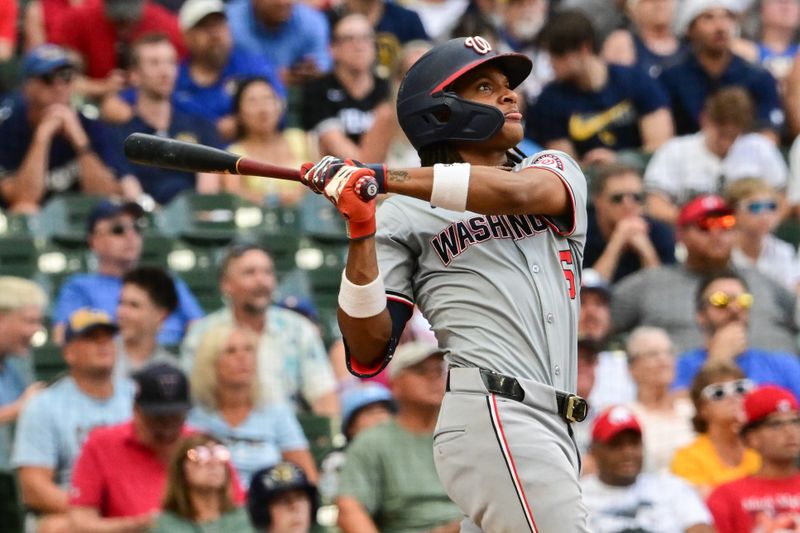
{"points": [[429, 112], [269, 483]]}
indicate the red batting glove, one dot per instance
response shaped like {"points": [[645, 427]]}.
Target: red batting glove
{"points": [[343, 192]]}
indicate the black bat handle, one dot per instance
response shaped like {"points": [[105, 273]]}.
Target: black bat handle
{"points": [[170, 153]]}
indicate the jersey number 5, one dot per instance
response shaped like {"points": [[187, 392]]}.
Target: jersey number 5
{"points": [[566, 264]]}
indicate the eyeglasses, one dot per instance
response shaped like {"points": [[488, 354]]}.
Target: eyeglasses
{"points": [[778, 424], [619, 197], [205, 454], [719, 391], [65, 74], [766, 206], [121, 229], [716, 222], [721, 300]]}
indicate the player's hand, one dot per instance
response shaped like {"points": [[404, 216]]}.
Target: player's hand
{"points": [[317, 175], [344, 191]]}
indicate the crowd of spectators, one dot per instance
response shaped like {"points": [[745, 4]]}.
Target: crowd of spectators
{"points": [[170, 416]]}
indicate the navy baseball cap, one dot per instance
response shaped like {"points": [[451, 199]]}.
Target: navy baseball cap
{"points": [[162, 389], [44, 60], [86, 320], [109, 209]]}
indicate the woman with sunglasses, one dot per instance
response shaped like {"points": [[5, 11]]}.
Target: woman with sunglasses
{"points": [[199, 494], [230, 404], [718, 454], [757, 215]]}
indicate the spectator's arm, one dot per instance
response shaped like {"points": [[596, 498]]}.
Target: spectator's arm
{"points": [[33, 25], [326, 405], [619, 48], [656, 128], [700, 528], [98, 88], [88, 520], [10, 411], [207, 183], [115, 110], [376, 141], [40, 492], [95, 177], [353, 518], [24, 189], [334, 142], [304, 460], [661, 206]]}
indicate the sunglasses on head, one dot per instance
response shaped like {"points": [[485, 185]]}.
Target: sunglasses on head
{"points": [[719, 391], [721, 300], [619, 197], [765, 206], [716, 222], [64, 74], [205, 454]]}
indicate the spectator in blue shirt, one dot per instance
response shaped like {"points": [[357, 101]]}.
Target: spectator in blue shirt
{"points": [[47, 146], [723, 305], [291, 35], [114, 238], [709, 26], [154, 69], [594, 109]]}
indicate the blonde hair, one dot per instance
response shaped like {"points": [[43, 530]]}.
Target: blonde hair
{"points": [[204, 373], [17, 293], [746, 188], [176, 496]]}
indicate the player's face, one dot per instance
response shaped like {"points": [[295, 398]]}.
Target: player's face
{"points": [[17, 328], [237, 362], [250, 281], [757, 215], [713, 317], [489, 86], [621, 198], [778, 437], [712, 31], [210, 41], [594, 320], [290, 513], [92, 354], [137, 314], [260, 109], [117, 240], [620, 460], [652, 361], [156, 69]]}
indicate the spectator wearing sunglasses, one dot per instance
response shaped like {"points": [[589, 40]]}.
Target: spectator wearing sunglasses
{"points": [[769, 500], [718, 454], [722, 312], [757, 206], [664, 296], [114, 236], [47, 147], [621, 239], [200, 490], [720, 153]]}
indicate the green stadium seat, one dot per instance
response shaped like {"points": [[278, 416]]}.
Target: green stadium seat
{"points": [[156, 249], [63, 218], [204, 285], [48, 363], [321, 433], [321, 221], [209, 219], [18, 256], [789, 231], [11, 509], [12, 224]]}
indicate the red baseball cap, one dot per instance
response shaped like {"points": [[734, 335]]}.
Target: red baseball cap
{"points": [[614, 421], [766, 400], [701, 207]]}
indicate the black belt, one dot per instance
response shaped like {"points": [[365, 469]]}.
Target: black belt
{"points": [[570, 406]]}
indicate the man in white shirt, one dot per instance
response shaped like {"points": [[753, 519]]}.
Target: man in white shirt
{"points": [[621, 498]]}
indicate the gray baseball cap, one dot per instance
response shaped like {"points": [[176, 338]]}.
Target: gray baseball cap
{"points": [[409, 354]]}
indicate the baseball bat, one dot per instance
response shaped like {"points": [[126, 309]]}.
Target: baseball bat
{"points": [[162, 152]]}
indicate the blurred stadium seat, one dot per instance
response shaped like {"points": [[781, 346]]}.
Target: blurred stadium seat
{"points": [[11, 510]]}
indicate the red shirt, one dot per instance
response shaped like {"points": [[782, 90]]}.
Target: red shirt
{"points": [[53, 11], [741, 505], [87, 30], [119, 476], [8, 21]]}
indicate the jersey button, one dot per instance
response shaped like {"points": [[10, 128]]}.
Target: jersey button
{"points": [[535, 269], [549, 318], [557, 370]]}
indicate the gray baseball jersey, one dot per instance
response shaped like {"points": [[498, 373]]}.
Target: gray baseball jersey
{"points": [[500, 291]]}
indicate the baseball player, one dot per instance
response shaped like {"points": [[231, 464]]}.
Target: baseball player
{"points": [[489, 246]]}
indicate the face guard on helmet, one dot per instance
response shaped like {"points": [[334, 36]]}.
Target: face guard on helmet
{"points": [[430, 112]]}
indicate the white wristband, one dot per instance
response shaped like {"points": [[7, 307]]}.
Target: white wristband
{"points": [[450, 186], [362, 301]]}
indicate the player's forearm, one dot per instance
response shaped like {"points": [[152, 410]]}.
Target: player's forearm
{"points": [[492, 190]]}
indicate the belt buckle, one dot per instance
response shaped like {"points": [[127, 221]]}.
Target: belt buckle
{"points": [[576, 409]]}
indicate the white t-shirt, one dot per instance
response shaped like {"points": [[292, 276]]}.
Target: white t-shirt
{"points": [[613, 384], [664, 432], [439, 17], [655, 503], [778, 260], [684, 167]]}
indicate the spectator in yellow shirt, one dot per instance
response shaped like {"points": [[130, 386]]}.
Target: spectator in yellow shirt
{"points": [[718, 454]]}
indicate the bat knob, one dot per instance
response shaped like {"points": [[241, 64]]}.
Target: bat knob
{"points": [[367, 188]]}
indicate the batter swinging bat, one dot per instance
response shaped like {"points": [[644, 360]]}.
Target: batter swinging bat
{"points": [[161, 152]]}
